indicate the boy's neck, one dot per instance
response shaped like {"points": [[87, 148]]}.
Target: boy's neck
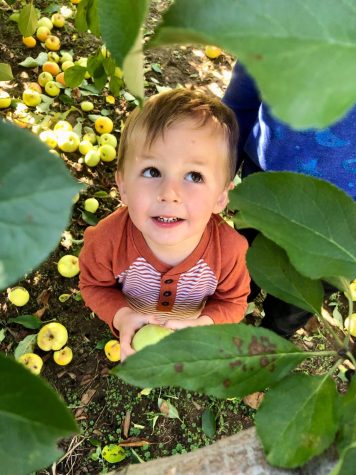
{"points": [[173, 255]]}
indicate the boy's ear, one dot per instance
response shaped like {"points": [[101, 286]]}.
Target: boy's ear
{"points": [[121, 185], [223, 199]]}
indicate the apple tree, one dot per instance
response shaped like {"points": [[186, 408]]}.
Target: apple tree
{"points": [[303, 240]]}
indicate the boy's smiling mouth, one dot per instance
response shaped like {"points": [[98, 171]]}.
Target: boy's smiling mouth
{"points": [[166, 219]]}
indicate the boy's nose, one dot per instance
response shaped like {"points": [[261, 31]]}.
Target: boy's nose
{"points": [[168, 191]]}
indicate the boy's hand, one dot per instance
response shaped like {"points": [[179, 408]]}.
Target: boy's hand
{"points": [[127, 322], [179, 324]]}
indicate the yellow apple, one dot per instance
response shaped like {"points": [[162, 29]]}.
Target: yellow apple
{"points": [[92, 158], [68, 266], [66, 65], [5, 100], [104, 125], [64, 356], [108, 139], [149, 335], [52, 89], [58, 20], [85, 146], [63, 125], [350, 324], [19, 296], [353, 290], [90, 136], [212, 52], [43, 33], [65, 56], [32, 362], [112, 350], [68, 141], [31, 98], [52, 336], [44, 78], [53, 56], [49, 137], [91, 205], [44, 21], [29, 41], [52, 43], [107, 153], [51, 67]]}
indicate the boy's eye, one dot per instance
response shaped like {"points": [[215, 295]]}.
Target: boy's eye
{"points": [[151, 172], [195, 177]]}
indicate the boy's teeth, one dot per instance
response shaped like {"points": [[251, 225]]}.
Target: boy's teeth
{"points": [[167, 220]]}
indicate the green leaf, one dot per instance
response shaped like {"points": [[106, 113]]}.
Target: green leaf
{"points": [[297, 419], [74, 76], [5, 72], [271, 269], [26, 345], [113, 453], [311, 219], [90, 218], [289, 48], [346, 464], [347, 414], [2, 334], [220, 360], [27, 321], [32, 419], [116, 85], [87, 17], [167, 409], [29, 62], [27, 20], [133, 67], [120, 23], [208, 423], [33, 212]]}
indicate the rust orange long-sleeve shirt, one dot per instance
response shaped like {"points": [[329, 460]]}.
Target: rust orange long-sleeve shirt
{"points": [[118, 269]]}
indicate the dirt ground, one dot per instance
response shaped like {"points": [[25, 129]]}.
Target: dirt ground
{"points": [[107, 410]]}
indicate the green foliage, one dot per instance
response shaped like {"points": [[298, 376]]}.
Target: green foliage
{"points": [[27, 20], [282, 44], [298, 401], [219, 360], [33, 419], [5, 72], [314, 221], [87, 17], [271, 269], [33, 211]]}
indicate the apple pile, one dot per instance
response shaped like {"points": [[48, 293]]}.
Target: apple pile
{"points": [[52, 336]]}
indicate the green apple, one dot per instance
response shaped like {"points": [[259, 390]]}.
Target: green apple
{"points": [[44, 78], [85, 146], [52, 88], [107, 153], [44, 21], [90, 136], [66, 57], [91, 205], [149, 335], [68, 266], [87, 106], [32, 362], [52, 336], [19, 296], [108, 139], [53, 56], [63, 125], [92, 158], [58, 20], [66, 65], [68, 141], [31, 97], [49, 137]]}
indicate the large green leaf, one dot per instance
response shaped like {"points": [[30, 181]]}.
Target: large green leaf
{"points": [[133, 69], [271, 270], [297, 419], [301, 53], [120, 23], [27, 20], [312, 220], [347, 412], [87, 17], [346, 463], [32, 419], [35, 201], [220, 360], [5, 72]]}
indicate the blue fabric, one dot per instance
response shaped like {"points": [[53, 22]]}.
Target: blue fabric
{"points": [[268, 144]]}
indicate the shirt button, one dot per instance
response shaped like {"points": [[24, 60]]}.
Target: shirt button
{"points": [[168, 281], [167, 293], [165, 304]]}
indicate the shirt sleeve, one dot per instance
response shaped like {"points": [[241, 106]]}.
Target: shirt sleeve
{"points": [[229, 302], [97, 281]]}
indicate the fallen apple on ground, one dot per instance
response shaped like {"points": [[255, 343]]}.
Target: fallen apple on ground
{"points": [[68, 266], [149, 335], [104, 125], [91, 205], [68, 141], [108, 139], [19, 296], [92, 158], [350, 324], [212, 52], [63, 356], [52, 336], [112, 350], [5, 100], [32, 362], [31, 97], [107, 153]]}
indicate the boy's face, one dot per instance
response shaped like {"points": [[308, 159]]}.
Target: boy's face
{"points": [[172, 188]]}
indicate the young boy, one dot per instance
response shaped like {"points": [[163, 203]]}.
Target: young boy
{"points": [[167, 257]]}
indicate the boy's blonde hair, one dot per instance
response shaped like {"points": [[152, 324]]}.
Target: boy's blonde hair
{"points": [[164, 109]]}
